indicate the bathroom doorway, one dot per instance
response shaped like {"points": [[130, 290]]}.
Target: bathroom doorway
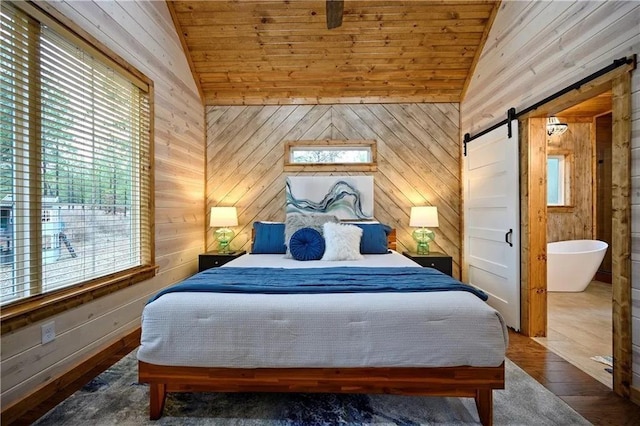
{"points": [[579, 310], [534, 216]]}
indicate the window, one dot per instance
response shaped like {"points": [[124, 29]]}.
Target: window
{"points": [[331, 155], [558, 179], [75, 160]]}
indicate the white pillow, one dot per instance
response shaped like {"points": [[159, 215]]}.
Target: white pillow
{"points": [[342, 242]]}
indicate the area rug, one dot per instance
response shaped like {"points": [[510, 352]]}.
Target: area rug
{"points": [[116, 398]]}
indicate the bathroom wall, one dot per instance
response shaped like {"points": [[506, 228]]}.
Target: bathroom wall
{"points": [[576, 221], [603, 187]]}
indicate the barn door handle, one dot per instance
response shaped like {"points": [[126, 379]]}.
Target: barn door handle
{"points": [[507, 238]]}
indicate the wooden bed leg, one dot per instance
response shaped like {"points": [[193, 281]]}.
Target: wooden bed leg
{"points": [[484, 403], [157, 394]]}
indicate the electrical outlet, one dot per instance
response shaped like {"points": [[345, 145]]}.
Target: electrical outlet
{"points": [[48, 332]]}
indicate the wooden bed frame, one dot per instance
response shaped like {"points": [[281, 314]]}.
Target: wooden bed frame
{"points": [[471, 382]]}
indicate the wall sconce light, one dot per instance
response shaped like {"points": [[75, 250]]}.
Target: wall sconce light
{"points": [[223, 217], [555, 127], [423, 217]]}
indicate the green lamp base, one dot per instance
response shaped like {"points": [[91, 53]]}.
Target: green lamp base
{"points": [[224, 236], [423, 237]]}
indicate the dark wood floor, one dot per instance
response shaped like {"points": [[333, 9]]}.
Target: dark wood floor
{"points": [[593, 400]]}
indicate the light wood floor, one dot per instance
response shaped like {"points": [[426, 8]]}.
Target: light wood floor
{"points": [[579, 327]]}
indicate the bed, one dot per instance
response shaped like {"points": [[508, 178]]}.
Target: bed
{"points": [[418, 343]]}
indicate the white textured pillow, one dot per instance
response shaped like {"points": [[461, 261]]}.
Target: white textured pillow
{"points": [[342, 242]]}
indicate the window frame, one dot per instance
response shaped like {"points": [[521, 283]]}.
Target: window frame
{"points": [[22, 312], [567, 180], [369, 144]]}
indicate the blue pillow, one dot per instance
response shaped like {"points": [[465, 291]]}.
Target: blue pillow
{"points": [[374, 238], [306, 244], [268, 238]]}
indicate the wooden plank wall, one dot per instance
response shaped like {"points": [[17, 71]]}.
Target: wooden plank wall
{"points": [[533, 227], [576, 222], [418, 161], [535, 49], [143, 34]]}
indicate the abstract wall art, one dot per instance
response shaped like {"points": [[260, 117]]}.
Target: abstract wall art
{"points": [[347, 197]]}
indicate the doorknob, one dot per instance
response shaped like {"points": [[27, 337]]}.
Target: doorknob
{"points": [[507, 237]]}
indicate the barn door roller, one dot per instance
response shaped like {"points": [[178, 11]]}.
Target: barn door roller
{"points": [[511, 115]]}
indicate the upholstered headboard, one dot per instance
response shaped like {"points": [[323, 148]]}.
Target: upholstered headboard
{"points": [[346, 197]]}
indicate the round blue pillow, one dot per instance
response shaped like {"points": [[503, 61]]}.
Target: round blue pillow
{"points": [[306, 244]]}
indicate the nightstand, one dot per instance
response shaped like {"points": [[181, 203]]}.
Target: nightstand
{"points": [[439, 261], [213, 259]]}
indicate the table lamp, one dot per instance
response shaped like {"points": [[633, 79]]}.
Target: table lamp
{"points": [[222, 218], [423, 217]]}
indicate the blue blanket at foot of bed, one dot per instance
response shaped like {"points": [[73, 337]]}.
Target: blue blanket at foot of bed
{"points": [[319, 280]]}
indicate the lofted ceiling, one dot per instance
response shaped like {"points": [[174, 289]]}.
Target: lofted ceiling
{"points": [[281, 52]]}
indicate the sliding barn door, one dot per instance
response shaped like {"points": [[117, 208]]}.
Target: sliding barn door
{"points": [[492, 219]]}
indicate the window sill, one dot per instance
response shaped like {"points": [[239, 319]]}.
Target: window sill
{"points": [[37, 308], [560, 209], [333, 167]]}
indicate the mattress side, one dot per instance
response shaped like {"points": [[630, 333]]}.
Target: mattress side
{"points": [[437, 329]]}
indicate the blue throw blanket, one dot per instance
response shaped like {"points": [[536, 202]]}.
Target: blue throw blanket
{"points": [[319, 280]]}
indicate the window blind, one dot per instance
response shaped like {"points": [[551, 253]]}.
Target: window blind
{"points": [[75, 187]]}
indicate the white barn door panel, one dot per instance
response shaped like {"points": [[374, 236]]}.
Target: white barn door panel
{"points": [[492, 219]]}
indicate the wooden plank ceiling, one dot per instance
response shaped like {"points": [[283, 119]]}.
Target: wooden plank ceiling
{"points": [[593, 107], [281, 52]]}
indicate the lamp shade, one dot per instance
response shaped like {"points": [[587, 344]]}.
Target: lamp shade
{"points": [[222, 217], [425, 216]]}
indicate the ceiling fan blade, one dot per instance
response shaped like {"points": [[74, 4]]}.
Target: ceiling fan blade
{"points": [[334, 13]]}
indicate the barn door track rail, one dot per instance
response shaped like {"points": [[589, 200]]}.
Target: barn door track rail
{"points": [[513, 115]]}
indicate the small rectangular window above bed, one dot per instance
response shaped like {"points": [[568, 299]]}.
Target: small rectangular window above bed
{"points": [[330, 155]]}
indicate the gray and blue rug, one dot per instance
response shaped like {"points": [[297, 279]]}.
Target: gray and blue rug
{"points": [[116, 398]]}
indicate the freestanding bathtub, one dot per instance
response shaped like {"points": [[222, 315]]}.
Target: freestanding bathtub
{"points": [[572, 264]]}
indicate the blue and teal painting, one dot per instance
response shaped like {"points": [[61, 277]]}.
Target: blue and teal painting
{"points": [[347, 197]]}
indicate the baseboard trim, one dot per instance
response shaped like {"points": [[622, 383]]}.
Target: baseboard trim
{"points": [[33, 406], [634, 395]]}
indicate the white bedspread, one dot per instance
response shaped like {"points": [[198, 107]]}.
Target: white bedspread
{"points": [[433, 329]]}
